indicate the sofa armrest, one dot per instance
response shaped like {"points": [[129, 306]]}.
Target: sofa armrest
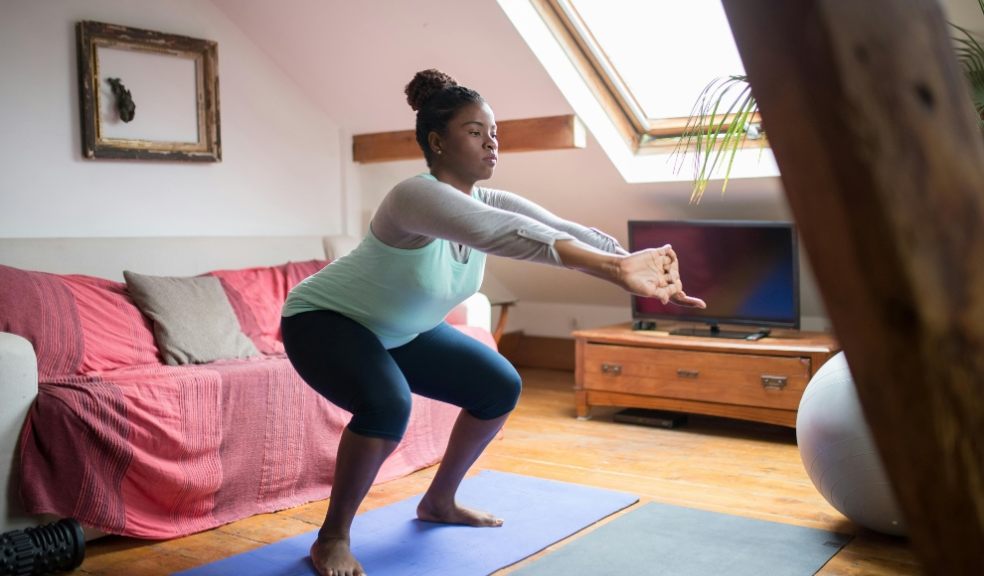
{"points": [[478, 311], [339, 245], [18, 388]]}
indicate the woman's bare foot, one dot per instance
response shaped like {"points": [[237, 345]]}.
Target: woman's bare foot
{"points": [[333, 557], [455, 514]]}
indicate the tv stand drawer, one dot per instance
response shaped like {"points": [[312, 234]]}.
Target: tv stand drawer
{"points": [[753, 380], [762, 380]]}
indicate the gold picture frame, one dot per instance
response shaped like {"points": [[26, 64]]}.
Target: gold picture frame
{"points": [[147, 95]]}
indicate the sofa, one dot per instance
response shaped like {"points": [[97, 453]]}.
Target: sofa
{"points": [[99, 421]]}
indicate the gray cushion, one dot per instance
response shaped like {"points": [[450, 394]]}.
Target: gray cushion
{"points": [[193, 320]]}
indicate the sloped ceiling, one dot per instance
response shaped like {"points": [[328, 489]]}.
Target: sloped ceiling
{"points": [[353, 57]]}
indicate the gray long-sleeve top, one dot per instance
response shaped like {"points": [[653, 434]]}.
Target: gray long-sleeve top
{"points": [[420, 209]]}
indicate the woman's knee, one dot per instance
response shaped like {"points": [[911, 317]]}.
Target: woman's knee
{"points": [[512, 388], [383, 416], [502, 395]]}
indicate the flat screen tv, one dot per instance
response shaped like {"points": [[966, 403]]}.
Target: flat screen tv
{"points": [[746, 271]]}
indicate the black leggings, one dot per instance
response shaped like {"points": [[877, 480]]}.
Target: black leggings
{"points": [[345, 362]]}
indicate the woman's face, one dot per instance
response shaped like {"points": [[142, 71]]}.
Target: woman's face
{"points": [[470, 148]]}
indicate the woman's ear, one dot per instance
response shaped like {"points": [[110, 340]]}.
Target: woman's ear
{"points": [[434, 141]]}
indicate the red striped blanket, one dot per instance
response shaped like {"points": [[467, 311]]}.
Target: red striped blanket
{"points": [[160, 451], [130, 446]]}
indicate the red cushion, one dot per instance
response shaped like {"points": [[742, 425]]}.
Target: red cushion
{"points": [[258, 294], [457, 315], [39, 307], [116, 334]]}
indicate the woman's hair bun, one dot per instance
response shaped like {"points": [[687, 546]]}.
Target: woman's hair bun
{"points": [[425, 84]]}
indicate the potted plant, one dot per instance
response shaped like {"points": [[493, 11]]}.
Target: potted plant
{"points": [[970, 53], [725, 116]]}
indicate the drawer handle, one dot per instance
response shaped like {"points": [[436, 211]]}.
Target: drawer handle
{"points": [[773, 382], [687, 373], [613, 369]]}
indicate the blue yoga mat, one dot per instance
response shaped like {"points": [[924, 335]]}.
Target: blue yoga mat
{"points": [[391, 541], [657, 539]]}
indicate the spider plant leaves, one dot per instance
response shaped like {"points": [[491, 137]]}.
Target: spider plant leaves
{"points": [[719, 121], [970, 54], [716, 129]]}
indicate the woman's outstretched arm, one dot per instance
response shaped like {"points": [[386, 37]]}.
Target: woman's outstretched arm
{"points": [[653, 273]]}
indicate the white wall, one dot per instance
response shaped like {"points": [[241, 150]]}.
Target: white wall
{"points": [[282, 169], [965, 13]]}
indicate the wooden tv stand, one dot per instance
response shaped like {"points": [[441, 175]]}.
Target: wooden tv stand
{"points": [[760, 380]]}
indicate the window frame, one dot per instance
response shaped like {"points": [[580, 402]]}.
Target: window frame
{"points": [[642, 134]]}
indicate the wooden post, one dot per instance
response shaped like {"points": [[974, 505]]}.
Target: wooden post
{"points": [[883, 165]]}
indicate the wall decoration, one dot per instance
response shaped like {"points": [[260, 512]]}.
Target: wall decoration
{"points": [[147, 95]]}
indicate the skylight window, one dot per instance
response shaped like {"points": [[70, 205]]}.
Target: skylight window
{"points": [[632, 71], [663, 51]]}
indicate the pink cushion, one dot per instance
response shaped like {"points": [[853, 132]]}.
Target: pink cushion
{"points": [[39, 307], [458, 315], [115, 333], [258, 294]]}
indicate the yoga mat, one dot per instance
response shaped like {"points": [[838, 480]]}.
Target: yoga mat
{"points": [[660, 539], [391, 541]]}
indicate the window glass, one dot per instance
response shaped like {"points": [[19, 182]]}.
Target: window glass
{"points": [[664, 52]]}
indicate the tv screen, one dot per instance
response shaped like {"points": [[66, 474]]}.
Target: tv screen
{"points": [[746, 271]]}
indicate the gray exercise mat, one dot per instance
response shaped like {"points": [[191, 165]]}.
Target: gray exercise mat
{"points": [[657, 539]]}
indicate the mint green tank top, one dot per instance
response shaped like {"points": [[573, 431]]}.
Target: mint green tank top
{"points": [[394, 292]]}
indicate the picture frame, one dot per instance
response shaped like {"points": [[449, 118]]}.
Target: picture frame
{"points": [[147, 95]]}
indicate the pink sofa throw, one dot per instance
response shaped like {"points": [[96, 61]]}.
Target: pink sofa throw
{"points": [[130, 446]]}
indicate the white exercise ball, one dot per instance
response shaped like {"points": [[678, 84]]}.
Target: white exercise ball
{"points": [[839, 454]]}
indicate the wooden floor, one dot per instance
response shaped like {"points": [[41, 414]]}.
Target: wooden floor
{"points": [[712, 464]]}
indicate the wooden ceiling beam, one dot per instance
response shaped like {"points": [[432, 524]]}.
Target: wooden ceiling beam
{"points": [[526, 135]]}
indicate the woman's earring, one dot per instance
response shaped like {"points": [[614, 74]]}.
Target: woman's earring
{"points": [[440, 151]]}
